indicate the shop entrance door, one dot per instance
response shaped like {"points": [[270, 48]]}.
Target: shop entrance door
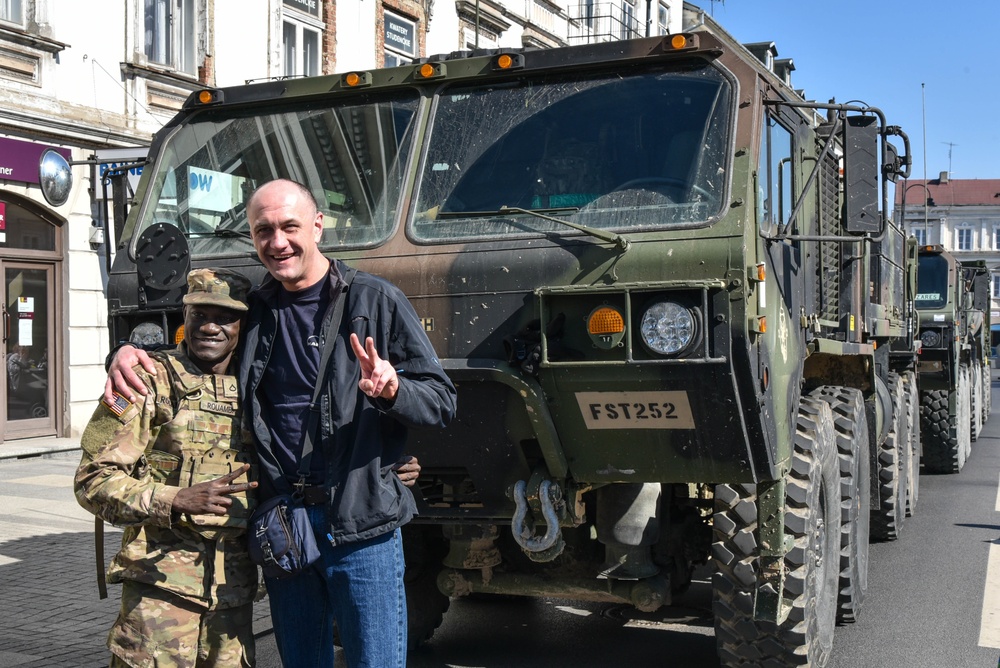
{"points": [[28, 395]]}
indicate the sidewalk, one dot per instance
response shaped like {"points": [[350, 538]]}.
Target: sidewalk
{"points": [[50, 613]]}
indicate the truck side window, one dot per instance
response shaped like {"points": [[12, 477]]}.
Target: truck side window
{"points": [[775, 175]]}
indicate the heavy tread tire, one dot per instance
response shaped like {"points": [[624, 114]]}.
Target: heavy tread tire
{"points": [[976, 401], [812, 520], [912, 396], [425, 603], [893, 469], [851, 426], [942, 453]]}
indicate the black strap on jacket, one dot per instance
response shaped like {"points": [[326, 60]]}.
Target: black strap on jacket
{"points": [[314, 405]]}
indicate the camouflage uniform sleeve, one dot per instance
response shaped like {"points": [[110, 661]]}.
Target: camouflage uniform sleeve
{"points": [[111, 481]]}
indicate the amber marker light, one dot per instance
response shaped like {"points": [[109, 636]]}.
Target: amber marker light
{"points": [[356, 79], [681, 42], [209, 96], [179, 335], [606, 327], [508, 61], [431, 70]]}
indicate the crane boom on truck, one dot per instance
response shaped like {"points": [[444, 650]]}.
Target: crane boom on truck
{"points": [[678, 317]]}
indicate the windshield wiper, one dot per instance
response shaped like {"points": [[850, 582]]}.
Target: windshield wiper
{"points": [[224, 233], [618, 240]]}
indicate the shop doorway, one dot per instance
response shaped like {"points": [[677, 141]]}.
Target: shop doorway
{"points": [[29, 344], [31, 401]]}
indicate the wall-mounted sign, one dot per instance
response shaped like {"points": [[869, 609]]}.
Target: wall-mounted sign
{"points": [[19, 159], [307, 6], [114, 157], [3, 223], [400, 34]]}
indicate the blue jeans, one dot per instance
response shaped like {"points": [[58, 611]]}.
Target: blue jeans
{"points": [[358, 585]]}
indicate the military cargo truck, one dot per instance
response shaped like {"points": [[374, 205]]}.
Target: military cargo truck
{"points": [[665, 285], [954, 378]]}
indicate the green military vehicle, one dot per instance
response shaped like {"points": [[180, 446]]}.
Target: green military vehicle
{"points": [[954, 377], [665, 285]]}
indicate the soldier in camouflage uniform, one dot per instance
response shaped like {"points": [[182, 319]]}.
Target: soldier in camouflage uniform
{"points": [[173, 470]]}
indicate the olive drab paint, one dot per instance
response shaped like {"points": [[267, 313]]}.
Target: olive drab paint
{"points": [[665, 285]]}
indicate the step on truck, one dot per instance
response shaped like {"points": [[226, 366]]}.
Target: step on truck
{"points": [[953, 301], [666, 287]]}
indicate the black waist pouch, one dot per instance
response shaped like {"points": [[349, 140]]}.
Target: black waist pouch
{"points": [[281, 539]]}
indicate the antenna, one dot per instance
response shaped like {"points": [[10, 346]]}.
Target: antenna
{"points": [[950, 146]]}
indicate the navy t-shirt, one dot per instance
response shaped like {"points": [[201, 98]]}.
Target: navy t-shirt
{"points": [[290, 376]]}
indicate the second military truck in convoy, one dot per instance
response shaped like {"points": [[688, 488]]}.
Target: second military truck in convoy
{"points": [[678, 317]]}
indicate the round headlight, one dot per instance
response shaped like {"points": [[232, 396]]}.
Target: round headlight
{"points": [[667, 328], [930, 338]]}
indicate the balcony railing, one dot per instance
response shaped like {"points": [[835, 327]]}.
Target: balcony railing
{"points": [[603, 22]]}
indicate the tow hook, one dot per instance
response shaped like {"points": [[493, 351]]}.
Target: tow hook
{"points": [[549, 546]]}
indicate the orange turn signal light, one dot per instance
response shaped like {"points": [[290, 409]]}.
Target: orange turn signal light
{"points": [[356, 79], [605, 320]]}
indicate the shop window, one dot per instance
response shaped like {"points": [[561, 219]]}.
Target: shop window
{"points": [[21, 229]]}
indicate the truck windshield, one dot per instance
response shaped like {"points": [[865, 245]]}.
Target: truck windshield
{"points": [[625, 151], [932, 282], [349, 155]]}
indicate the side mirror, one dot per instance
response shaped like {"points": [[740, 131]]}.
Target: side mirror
{"points": [[55, 177]]}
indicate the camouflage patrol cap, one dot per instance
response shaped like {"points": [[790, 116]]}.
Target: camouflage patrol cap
{"points": [[217, 287]]}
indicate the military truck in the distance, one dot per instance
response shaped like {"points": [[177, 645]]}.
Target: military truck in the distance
{"points": [[666, 286], [954, 378]]}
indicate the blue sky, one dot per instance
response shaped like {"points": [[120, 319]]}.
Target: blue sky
{"points": [[880, 53]]}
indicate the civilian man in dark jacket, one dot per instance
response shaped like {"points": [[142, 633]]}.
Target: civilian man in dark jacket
{"points": [[382, 378]]}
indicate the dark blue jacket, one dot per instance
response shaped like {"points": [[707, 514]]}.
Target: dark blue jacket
{"points": [[362, 437]]}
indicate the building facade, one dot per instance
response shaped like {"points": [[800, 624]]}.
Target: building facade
{"points": [[962, 215], [94, 83]]}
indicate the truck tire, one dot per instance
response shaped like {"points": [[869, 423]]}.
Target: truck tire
{"points": [[942, 452], [851, 426], [912, 396], [976, 405], [893, 469], [425, 603], [812, 520]]}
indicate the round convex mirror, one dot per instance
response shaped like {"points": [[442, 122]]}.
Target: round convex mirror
{"points": [[54, 177]]}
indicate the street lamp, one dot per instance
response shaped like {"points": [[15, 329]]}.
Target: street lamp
{"points": [[928, 201]]}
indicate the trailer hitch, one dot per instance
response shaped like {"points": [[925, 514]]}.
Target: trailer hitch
{"points": [[544, 498]]}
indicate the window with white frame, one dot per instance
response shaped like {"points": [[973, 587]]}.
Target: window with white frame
{"points": [[170, 33], [662, 19], [963, 238], [920, 234], [301, 45], [996, 286], [996, 237], [12, 11], [628, 18]]}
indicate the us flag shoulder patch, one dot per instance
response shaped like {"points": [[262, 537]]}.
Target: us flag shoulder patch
{"points": [[118, 406]]}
